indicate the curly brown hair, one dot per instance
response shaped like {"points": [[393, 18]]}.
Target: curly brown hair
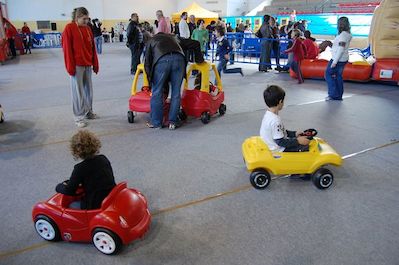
{"points": [[84, 144]]}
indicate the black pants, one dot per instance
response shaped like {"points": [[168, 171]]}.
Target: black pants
{"points": [[136, 52], [11, 43], [120, 37], [297, 148]]}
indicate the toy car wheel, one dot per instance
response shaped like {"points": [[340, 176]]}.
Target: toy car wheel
{"points": [[323, 178], [106, 241], [182, 115], [222, 109], [260, 179], [46, 228], [130, 116], [1, 115], [205, 117]]}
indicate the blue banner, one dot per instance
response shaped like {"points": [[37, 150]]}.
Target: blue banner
{"points": [[47, 40]]}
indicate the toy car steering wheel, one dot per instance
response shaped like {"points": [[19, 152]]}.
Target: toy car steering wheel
{"points": [[309, 133]]}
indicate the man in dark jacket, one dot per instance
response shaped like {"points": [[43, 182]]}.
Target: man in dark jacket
{"points": [[165, 62], [98, 36], [133, 42]]}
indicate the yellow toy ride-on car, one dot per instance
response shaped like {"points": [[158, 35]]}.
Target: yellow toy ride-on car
{"points": [[261, 162]]}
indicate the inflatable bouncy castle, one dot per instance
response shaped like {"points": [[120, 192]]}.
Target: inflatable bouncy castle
{"points": [[379, 62], [384, 41]]}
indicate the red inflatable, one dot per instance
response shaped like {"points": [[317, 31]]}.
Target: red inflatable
{"points": [[386, 70], [316, 68]]}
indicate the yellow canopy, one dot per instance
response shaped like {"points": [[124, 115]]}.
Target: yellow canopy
{"points": [[198, 12]]}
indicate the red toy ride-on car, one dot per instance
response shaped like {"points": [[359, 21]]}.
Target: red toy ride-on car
{"points": [[122, 218], [140, 101], [201, 102]]}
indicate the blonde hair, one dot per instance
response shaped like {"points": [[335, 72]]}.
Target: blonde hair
{"points": [[296, 32], [84, 144], [79, 12]]}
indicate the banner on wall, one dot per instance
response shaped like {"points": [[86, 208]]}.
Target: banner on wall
{"points": [[48, 40]]}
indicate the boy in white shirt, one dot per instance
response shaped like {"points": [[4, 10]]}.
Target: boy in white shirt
{"points": [[272, 130]]}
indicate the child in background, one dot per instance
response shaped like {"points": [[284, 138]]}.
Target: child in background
{"points": [[299, 51], [94, 173], [272, 130], [223, 50]]}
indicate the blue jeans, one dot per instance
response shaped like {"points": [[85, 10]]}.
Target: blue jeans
{"points": [[296, 67], [334, 80], [99, 44], [170, 67]]}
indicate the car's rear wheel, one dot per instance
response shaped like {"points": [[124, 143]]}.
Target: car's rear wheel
{"points": [[260, 179], [323, 178], [222, 109], [130, 116], [47, 229], [205, 117], [106, 241]]}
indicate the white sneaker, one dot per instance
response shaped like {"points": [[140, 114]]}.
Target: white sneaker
{"points": [[81, 124], [91, 116]]}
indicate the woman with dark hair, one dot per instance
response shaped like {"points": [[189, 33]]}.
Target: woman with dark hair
{"points": [[340, 56], [265, 33], [312, 49], [80, 60]]}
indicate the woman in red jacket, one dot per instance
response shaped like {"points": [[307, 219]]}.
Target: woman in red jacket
{"points": [[80, 59], [299, 51]]}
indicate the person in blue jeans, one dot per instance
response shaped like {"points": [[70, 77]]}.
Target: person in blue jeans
{"points": [[340, 56], [223, 50], [164, 62]]}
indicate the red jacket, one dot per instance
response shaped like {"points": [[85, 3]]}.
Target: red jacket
{"points": [[312, 49], [11, 33], [79, 49], [25, 30], [299, 50]]}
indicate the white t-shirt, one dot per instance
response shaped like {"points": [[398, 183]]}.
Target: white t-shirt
{"points": [[184, 31], [341, 53], [272, 128]]}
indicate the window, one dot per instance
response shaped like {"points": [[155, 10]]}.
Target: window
{"points": [[43, 24]]}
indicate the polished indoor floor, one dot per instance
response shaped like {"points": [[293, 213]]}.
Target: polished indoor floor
{"points": [[204, 211]]}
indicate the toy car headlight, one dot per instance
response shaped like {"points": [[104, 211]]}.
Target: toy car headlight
{"points": [[123, 222]]}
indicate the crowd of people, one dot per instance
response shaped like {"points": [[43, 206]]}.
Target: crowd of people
{"points": [[187, 40]]}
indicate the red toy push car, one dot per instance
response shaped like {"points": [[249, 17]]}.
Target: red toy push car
{"points": [[122, 218], [140, 101], [200, 103]]}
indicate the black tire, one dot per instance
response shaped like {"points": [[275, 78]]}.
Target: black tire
{"points": [[260, 179], [323, 178], [110, 242], [130, 116], [182, 115], [222, 109], [47, 228], [205, 117]]}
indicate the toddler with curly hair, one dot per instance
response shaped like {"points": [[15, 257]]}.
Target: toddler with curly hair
{"points": [[94, 173]]}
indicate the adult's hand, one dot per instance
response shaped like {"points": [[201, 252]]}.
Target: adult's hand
{"points": [[333, 65], [226, 56]]}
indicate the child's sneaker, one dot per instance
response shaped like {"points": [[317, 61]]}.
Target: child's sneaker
{"points": [[81, 124]]}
